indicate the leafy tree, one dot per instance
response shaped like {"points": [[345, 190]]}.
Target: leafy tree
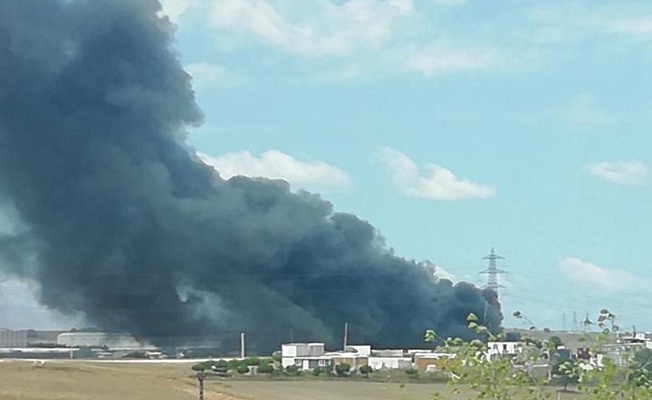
{"points": [[342, 369], [566, 372], [201, 367], [510, 378], [555, 341]]}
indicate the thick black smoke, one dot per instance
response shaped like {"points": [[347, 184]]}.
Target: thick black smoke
{"points": [[123, 223]]}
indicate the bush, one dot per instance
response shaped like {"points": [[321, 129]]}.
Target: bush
{"points": [[243, 369], [342, 369], [365, 370], [412, 372], [292, 370], [136, 354], [265, 369], [252, 361]]}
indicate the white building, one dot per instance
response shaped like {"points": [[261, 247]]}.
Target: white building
{"points": [[389, 363], [303, 355]]}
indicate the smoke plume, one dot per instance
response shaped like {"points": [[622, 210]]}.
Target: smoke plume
{"points": [[121, 221]]}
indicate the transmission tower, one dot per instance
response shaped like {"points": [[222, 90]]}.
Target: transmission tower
{"points": [[492, 271]]}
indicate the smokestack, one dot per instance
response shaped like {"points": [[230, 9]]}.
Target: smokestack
{"points": [[121, 221]]}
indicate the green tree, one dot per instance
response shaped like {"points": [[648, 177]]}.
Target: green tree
{"points": [[566, 372]]}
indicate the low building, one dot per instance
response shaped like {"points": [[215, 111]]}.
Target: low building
{"points": [[110, 341], [13, 339], [430, 362]]}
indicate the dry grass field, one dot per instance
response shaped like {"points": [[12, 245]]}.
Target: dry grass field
{"points": [[65, 380]]}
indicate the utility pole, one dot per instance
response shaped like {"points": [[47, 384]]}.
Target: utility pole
{"points": [[492, 271], [563, 322], [575, 328], [346, 335], [200, 377], [242, 345]]}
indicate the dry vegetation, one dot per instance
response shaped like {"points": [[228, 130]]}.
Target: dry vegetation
{"points": [[65, 380]]}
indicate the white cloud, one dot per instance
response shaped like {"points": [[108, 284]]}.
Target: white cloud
{"points": [[584, 112], [174, 9], [438, 183], [450, 3], [611, 279], [333, 30], [310, 175], [441, 57], [637, 26], [211, 75], [630, 173]]}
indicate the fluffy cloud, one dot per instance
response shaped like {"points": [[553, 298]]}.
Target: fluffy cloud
{"points": [[337, 30], [174, 9], [630, 173], [359, 38], [310, 175], [589, 274], [437, 183], [211, 75]]}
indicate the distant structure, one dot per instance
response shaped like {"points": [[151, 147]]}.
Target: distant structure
{"points": [[492, 271]]}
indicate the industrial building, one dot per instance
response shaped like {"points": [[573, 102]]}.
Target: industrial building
{"points": [[109, 341]]}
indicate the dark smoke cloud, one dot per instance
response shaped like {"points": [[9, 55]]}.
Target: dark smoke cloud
{"points": [[122, 222]]}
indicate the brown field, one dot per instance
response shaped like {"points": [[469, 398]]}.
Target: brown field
{"points": [[65, 380]]}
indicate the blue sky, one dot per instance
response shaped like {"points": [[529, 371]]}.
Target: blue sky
{"points": [[453, 126]]}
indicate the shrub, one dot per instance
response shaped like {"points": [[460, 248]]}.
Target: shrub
{"points": [[252, 361], [243, 369], [365, 370], [292, 370], [412, 372], [342, 369], [265, 369]]}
